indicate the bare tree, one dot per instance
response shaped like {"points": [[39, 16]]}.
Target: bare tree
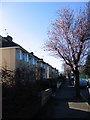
{"points": [[68, 39]]}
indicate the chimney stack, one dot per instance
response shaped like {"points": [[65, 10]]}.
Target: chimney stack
{"points": [[9, 38]]}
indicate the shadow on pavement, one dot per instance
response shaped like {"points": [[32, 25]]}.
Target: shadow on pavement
{"points": [[65, 105], [56, 108]]}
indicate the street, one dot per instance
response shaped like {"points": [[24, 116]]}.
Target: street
{"points": [[65, 105]]}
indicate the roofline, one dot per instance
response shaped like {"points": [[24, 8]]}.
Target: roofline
{"points": [[9, 47], [20, 47]]}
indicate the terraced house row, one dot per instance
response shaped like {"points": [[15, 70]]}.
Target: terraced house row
{"points": [[13, 57]]}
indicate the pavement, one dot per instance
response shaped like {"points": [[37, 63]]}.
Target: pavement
{"points": [[65, 105], [85, 93]]}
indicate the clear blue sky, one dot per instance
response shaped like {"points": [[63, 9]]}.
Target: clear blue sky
{"points": [[29, 22]]}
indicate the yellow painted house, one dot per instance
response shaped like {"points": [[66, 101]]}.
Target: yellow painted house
{"points": [[7, 54], [8, 59], [13, 56]]}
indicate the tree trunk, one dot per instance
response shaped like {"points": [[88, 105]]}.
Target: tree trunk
{"points": [[76, 72]]}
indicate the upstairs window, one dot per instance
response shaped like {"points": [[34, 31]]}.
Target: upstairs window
{"points": [[33, 62], [27, 58], [19, 54], [24, 57], [41, 64]]}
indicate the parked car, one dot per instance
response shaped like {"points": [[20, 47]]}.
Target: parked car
{"points": [[83, 83]]}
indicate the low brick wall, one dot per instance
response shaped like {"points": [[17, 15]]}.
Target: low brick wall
{"points": [[45, 95]]}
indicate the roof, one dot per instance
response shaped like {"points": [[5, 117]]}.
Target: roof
{"points": [[6, 42]]}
